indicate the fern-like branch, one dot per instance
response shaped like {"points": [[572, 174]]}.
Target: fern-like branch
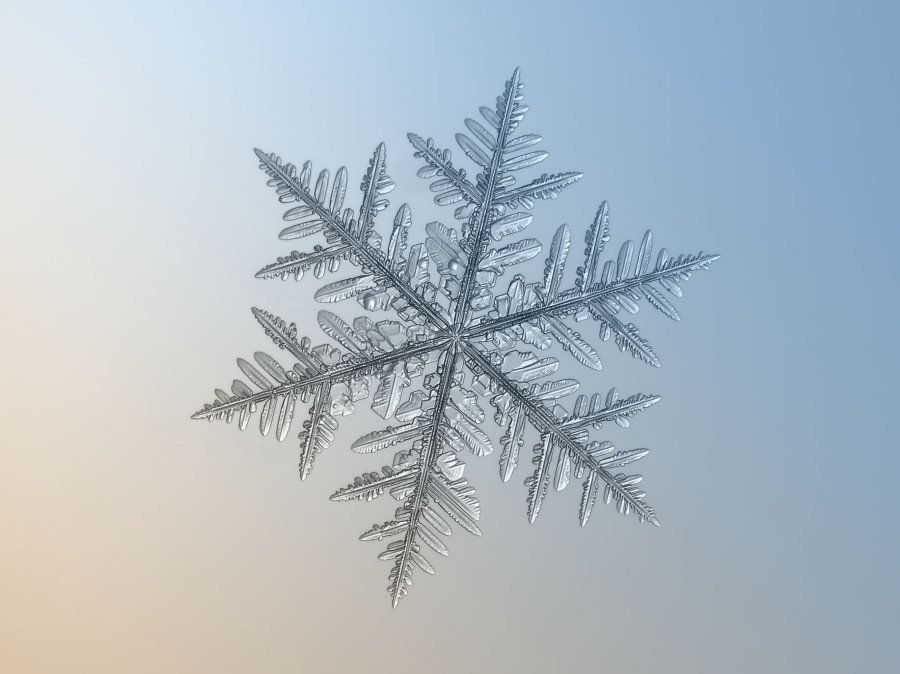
{"points": [[543, 418], [570, 301], [338, 373], [369, 256]]}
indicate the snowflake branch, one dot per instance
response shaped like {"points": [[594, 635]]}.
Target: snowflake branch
{"points": [[370, 257], [296, 263], [570, 301], [338, 373], [372, 485], [400, 575], [545, 187], [315, 436], [479, 233], [440, 162], [615, 410], [547, 423]]}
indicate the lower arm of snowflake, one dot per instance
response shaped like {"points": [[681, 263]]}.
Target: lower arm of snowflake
{"points": [[458, 338]]}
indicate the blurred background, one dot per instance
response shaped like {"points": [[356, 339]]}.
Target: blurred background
{"points": [[132, 219]]}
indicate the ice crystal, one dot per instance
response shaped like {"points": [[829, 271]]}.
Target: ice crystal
{"points": [[454, 338]]}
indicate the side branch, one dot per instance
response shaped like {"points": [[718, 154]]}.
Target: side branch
{"points": [[436, 159]]}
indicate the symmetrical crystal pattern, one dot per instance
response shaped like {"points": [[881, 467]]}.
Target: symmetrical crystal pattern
{"points": [[449, 330]]}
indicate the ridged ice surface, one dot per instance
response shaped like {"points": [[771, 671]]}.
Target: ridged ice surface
{"points": [[466, 336]]}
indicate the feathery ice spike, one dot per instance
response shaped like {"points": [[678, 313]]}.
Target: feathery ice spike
{"points": [[458, 339]]}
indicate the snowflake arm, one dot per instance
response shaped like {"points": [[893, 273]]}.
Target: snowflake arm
{"points": [[499, 155], [555, 433], [429, 475], [352, 233], [408, 552], [315, 367], [620, 287]]}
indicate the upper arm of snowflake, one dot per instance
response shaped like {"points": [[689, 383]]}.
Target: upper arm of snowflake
{"points": [[460, 340]]}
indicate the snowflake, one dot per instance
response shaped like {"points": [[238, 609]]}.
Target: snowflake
{"points": [[445, 337]]}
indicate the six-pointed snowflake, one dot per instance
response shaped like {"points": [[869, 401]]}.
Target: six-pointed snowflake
{"points": [[445, 336]]}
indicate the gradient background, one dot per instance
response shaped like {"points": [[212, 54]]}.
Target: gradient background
{"points": [[132, 218]]}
